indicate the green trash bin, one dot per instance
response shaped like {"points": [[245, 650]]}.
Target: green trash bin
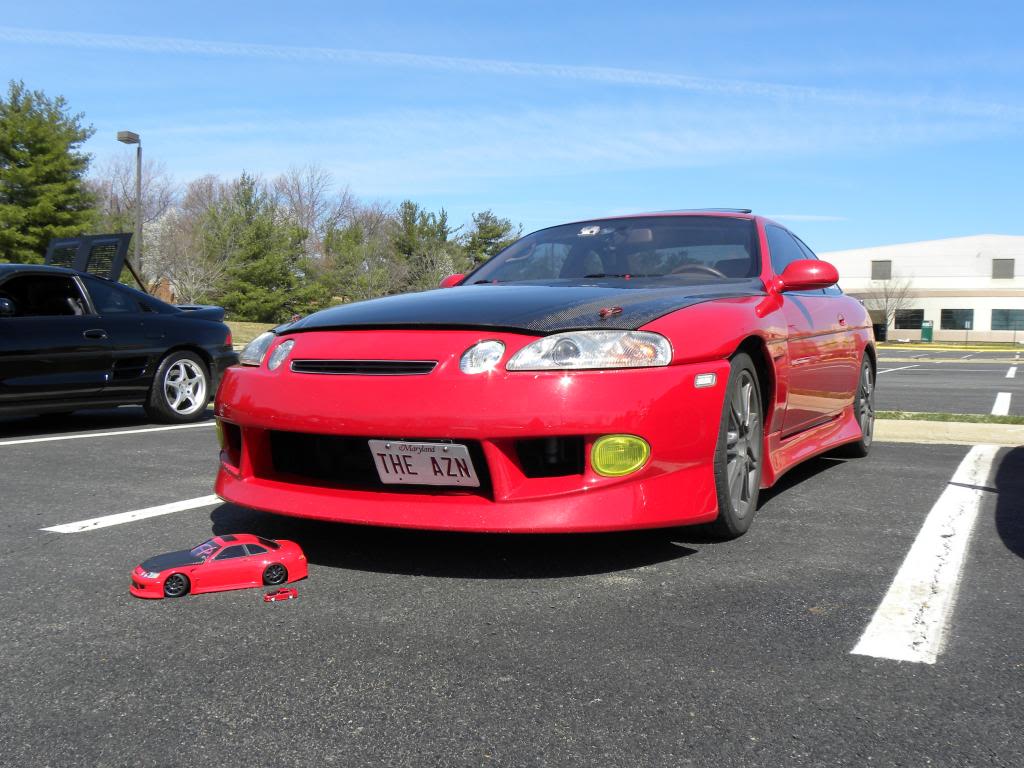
{"points": [[926, 329]]}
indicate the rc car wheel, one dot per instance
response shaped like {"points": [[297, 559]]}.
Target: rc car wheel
{"points": [[176, 585], [180, 390], [275, 574], [864, 411], [739, 453]]}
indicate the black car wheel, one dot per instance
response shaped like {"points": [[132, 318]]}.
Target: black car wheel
{"points": [[176, 585], [275, 574], [739, 453], [180, 389], [864, 412]]}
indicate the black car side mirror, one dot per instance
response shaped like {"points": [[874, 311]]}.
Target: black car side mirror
{"points": [[7, 308]]}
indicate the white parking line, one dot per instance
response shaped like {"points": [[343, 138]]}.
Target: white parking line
{"points": [[1002, 404], [130, 517], [967, 356], [104, 434], [911, 622], [902, 368], [1012, 373]]}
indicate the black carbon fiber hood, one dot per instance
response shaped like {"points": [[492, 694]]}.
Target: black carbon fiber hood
{"points": [[541, 309], [170, 560]]}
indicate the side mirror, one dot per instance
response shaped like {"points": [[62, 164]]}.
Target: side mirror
{"points": [[806, 275], [452, 280], [7, 308]]}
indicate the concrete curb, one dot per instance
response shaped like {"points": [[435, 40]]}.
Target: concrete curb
{"points": [[948, 432]]}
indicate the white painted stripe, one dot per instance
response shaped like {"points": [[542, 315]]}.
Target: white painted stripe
{"points": [[967, 356], [131, 517], [912, 620], [104, 434], [1012, 373], [902, 368], [1002, 404]]}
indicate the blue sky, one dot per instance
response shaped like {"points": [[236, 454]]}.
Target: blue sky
{"points": [[856, 124]]}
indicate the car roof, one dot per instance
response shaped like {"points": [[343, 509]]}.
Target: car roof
{"points": [[237, 538], [8, 269]]}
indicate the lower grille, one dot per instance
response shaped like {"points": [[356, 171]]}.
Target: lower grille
{"points": [[365, 367], [342, 461]]}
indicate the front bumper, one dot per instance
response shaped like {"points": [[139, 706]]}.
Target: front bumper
{"points": [[494, 411], [141, 586]]}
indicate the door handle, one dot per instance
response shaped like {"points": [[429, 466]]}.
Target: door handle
{"points": [[842, 319], [95, 333]]}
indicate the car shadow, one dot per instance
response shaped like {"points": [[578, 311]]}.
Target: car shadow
{"points": [[798, 475], [88, 420], [1009, 483], [457, 555]]}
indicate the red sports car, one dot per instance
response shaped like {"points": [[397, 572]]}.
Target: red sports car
{"points": [[234, 561], [630, 372]]}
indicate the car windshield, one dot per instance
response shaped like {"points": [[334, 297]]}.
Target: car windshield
{"points": [[704, 248], [204, 549]]}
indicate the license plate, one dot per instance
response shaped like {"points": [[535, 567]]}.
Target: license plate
{"points": [[403, 463]]}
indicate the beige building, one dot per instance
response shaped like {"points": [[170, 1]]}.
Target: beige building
{"points": [[968, 288]]}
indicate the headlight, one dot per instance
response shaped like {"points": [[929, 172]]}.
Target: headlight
{"points": [[593, 349], [482, 357], [151, 574], [256, 349], [280, 353]]}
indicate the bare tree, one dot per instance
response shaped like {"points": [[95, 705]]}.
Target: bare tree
{"points": [[887, 297], [306, 194], [114, 188]]}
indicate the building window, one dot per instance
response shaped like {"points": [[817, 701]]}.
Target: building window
{"points": [[1002, 269], [957, 319], [881, 270], [909, 319], [1008, 319]]}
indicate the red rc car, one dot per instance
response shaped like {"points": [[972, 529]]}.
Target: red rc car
{"points": [[224, 562], [283, 593]]}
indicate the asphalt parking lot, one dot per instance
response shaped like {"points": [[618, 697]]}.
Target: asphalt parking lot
{"points": [[951, 381], [414, 648]]}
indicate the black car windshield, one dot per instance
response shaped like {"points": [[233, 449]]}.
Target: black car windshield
{"points": [[204, 549], [708, 248]]}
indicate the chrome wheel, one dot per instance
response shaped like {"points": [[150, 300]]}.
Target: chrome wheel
{"points": [[743, 445], [275, 574], [866, 403], [176, 585], [184, 387]]}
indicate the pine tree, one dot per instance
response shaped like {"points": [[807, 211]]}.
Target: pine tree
{"points": [[489, 235], [266, 278], [42, 188]]}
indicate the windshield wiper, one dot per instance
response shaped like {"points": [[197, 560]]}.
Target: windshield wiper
{"points": [[611, 274]]}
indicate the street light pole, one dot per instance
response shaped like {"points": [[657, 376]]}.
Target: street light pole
{"points": [[130, 137]]}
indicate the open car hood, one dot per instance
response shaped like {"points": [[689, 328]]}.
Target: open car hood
{"points": [[547, 308]]}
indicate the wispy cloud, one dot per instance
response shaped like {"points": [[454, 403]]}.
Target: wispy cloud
{"points": [[609, 75]]}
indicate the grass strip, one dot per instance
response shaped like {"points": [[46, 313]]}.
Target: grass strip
{"points": [[968, 418]]}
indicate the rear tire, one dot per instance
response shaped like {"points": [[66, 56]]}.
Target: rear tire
{"points": [[180, 390], [275, 574], [739, 453], [864, 412]]}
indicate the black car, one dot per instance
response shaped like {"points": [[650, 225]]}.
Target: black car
{"points": [[71, 340]]}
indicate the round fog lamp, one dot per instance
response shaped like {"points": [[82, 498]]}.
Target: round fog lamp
{"points": [[618, 455]]}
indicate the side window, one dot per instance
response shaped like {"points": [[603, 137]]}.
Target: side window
{"points": [[44, 296], [255, 549], [111, 299], [238, 550], [784, 248]]}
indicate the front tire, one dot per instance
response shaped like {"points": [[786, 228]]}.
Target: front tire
{"points": [[180, 390], [864, 412], [176, 585], [740, 450]]}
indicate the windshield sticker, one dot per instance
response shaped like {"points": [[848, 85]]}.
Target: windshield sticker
{"points": [[590, 231]]}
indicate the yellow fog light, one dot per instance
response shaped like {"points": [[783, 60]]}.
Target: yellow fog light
{"points": [[618, 455], [220, 435]]}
